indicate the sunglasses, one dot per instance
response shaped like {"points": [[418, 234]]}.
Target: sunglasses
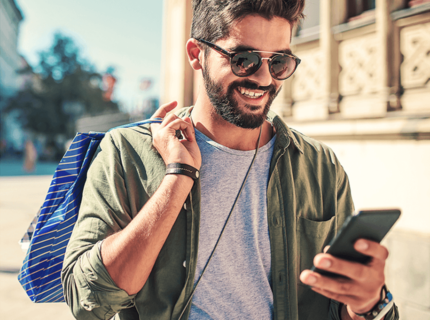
{"points": [[246, 63]]}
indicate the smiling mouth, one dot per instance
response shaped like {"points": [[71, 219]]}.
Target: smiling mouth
{"points": [[252, 94]]}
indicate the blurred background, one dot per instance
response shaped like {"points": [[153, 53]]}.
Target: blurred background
{"points": [[363, 88]]}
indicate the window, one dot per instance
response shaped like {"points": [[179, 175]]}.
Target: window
{"points": [[356, 8]]}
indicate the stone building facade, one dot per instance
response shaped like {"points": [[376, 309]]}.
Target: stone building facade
{"points": [[10, 63], [10, 60], [363, 88]]}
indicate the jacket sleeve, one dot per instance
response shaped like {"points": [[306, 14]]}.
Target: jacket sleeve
{"points": [[88, 288]]}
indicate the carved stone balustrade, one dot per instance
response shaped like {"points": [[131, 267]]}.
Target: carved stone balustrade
{"points": [[308, 86], [415, 68]]}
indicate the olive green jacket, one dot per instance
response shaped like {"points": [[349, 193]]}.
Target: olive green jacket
{"points": [[308, 199]]}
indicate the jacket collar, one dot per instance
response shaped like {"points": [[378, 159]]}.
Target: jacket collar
{"points": [[285, 134]]}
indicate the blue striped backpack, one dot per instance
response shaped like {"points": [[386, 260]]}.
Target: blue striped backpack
{"points": [[49, 233]]}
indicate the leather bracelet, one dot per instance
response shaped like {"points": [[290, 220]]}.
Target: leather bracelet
{"points": [[381, 308], [184, 169]]}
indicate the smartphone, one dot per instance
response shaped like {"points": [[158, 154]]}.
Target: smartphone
{"points": [[366, 224]]}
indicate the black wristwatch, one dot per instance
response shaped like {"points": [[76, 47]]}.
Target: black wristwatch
{"points": [[381, 308]]}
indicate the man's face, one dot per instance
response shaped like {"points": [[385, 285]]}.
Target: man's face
{"points": [[245, 102]]}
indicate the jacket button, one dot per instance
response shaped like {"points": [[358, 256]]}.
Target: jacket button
{"points": [[185, 263], [185, 205]]}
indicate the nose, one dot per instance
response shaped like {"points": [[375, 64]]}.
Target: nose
{"points": [[262, 76]]}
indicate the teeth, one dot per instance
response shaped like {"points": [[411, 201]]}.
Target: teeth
{"points": [[249, 93]]}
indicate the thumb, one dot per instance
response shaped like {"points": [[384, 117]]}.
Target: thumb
{"points": [[164, 109]]}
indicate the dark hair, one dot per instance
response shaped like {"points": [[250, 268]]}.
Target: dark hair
{"points": [[212, 19]]}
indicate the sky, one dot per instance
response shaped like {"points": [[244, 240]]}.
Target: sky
{"points": [[125, 34]]}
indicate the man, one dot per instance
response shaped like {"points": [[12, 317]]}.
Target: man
{"points": [[144, 237]]}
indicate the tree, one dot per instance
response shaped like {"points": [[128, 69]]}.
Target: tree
{"points": [[64, 87]]}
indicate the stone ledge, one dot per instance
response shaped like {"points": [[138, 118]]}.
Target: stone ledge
{"points": [[410, 11], [382, 128], [359, 22], [307, 35]]}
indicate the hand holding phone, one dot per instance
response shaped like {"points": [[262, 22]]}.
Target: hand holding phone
{"points": [[355, 279], [366, 224]]}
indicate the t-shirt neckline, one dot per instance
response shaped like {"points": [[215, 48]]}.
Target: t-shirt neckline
{"points": [[203, 138]]}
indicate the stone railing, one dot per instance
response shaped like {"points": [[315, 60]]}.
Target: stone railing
{"points": [[362, 69], [413, 35]]}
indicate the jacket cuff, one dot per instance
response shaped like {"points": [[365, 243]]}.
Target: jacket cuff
{"points": [[334, 310], [96, 287]]}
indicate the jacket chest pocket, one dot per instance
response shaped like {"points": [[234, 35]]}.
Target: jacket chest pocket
{"points": [[312, 236]]}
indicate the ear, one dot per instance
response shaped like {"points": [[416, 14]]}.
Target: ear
{"points": [[194, 53]]}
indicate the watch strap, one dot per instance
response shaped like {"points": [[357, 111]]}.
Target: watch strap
{"points": [[184, 169]]}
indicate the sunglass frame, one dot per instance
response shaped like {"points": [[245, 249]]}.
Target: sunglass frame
{"points": [[232, 54]]}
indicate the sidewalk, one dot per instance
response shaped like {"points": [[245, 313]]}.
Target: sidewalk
{"points": [[15, 167], [20, 199]]}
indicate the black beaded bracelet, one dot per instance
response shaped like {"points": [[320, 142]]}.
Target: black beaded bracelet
{"points": [[378, 309], [182, 168]]}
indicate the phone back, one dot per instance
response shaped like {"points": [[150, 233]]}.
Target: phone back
{"points": [[370, 225]]}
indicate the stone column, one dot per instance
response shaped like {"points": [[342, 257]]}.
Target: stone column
{"points": [[383, 34], [329, 48], [177, 75]]}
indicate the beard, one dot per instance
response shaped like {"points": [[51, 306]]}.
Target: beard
{"points": [[226, 106]]}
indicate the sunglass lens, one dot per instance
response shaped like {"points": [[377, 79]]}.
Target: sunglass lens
{"points": [[245, 63], [281, 67]]}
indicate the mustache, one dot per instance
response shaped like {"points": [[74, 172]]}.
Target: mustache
{"points": [[253, 86]]}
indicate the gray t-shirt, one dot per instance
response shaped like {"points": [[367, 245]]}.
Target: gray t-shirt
{"points": [[237, 283]]}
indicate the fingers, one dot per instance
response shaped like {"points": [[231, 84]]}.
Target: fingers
{"points": [[174, 124], [356, 294], [345, 299], [189, 131], [338, 285], [361, 285], [164, 109], [185, 125], [372, 249], [352, 270], [169, 119], [168, 141]]}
